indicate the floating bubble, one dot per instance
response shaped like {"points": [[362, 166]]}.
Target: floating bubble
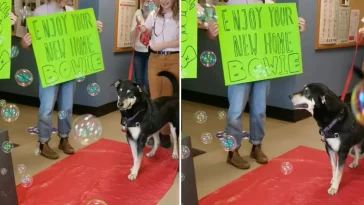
{"points": [[7, 146], [206, 138], [3, 171], [149, 7], [208, 58], [62, 115], [220, 135], [182, 177], [10, 112], [357, 102], [80, 77], [2, 103], [206, 14], [87, 129], [286, 168], [228, 143], [221, 115], [96, 202], [14, 51], [26, 180], [23, 77], [200, 116], [93, 89], [37, 152], [185, 152], [22, 168]]}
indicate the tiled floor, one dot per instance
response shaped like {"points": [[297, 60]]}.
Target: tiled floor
{"points": [[212, 171], [24, 154]]}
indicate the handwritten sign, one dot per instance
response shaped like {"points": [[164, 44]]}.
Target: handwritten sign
{"points": [[259, 42], [189, 39], [5, 39], [66, 46]]}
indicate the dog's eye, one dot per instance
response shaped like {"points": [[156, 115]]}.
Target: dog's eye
{"points": [[305, 92]]}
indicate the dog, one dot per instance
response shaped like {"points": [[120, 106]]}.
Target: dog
{"points": [[142, 117], [338, 128]]}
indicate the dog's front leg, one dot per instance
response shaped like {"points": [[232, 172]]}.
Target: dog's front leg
{"points": [[155, 146], [338, 173], [332, 157], [175, 141], [357, 151]]}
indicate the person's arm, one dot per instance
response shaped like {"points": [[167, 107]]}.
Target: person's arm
{"points": [[213, 31], [148, 24], [138, 19]]}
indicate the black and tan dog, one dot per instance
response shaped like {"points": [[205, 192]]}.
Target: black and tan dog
{"points": [[142, 117], [338, 127]]}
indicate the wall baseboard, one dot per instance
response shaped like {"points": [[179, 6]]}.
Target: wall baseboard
{"points": [[272, 112], [77, 109]]}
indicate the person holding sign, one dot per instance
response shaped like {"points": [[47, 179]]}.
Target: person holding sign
{"points": [[164, 27], [13, 18], [238, 95], [63, 93]]}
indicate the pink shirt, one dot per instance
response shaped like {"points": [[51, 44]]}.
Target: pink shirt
{"points": [[163, 29]]}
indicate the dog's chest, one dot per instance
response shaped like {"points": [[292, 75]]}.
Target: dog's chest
{"points": [[334, 143], [134, 132]]}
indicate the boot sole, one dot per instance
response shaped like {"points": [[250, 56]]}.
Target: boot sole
{"points": [[49, 157], [60, 148], [229, 162]]}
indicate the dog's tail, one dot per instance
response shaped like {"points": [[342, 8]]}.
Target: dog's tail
{"points": [[174, 81], [358, 72]]}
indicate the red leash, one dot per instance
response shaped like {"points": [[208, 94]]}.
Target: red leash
{"points": [[131, 66]]}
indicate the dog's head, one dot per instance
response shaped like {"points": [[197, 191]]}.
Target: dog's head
{"points": [[129, 92], [315, 95]]}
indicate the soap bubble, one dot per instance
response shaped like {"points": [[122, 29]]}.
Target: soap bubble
{"points": [[93, 89], [22, 168], [185, 152], [62, 115], [200, 116], [357, 102], [26, 180], [286, 168], [2, 103], [208, 58], [37, 152], [96, 202], [206, 14], [7, 146], [14, 51], [220, 135], [80, 77], [149, 6], [87, 129], [206, 138], [182, 177], [3, 171], [23, 77], [221, 115], [10, 112], [228, 143]]}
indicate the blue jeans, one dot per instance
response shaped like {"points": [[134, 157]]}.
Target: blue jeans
{"points": [[141, 68], [63, 93], [238, 95]]}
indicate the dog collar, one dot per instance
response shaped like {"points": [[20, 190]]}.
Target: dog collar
{"points": [[325, 132], [125, 122]]}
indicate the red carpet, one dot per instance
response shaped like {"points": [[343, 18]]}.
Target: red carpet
{"points": [[306, 185], [100, 171]]}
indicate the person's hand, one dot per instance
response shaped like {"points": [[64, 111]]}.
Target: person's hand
{"points": [[302, 24], [13, 18], [140, 20], [100, 26], [27, 40], [361, 33], [213, 30], [155, 47], [142, 28]]}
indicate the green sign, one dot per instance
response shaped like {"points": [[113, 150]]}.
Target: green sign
{"points": [[66, 46], [189, 39], [259, 42], [5, 39]]}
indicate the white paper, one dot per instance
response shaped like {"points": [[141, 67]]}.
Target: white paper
{"points": [[343, 25], [127, 9], [328, 22], [354, 25]]}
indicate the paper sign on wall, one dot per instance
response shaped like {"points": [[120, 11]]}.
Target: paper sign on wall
{"points": [[259, 42], [66, 46], [5, 39], [189, 39]]}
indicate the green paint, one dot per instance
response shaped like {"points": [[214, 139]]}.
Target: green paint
{"points": [[66, 45], [259, 42], [5, 39]]}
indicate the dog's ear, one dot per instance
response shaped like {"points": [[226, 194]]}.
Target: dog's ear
{"points": [[116, 83], [137, 85]]}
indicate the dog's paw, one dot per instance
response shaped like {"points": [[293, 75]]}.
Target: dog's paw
{"points": [[332, 190], [353, 165], [132, 176], [175, 156], [150, 154]]}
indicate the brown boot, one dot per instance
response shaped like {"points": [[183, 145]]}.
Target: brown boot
{"points": [[65, 146], [48, 152], [236, 160], [258, 155]]}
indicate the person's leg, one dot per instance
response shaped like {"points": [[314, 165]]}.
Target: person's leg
{"points": [[238, 96], [47, 97], [139, 67], [145, 69], [258, 104], [65, 103]]}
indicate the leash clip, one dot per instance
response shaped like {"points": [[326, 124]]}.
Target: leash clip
{"points": [[137, 124], [336, 135]]}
